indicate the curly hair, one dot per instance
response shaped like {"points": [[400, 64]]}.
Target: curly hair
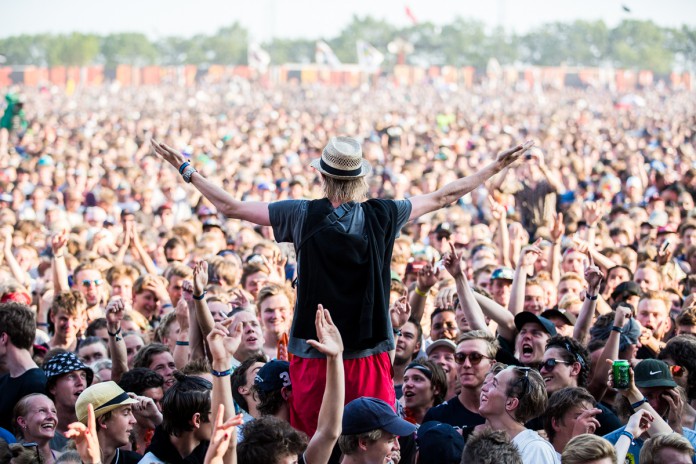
{"points": [[139, 379], [682, 350], [268, 439], [574, 352]]}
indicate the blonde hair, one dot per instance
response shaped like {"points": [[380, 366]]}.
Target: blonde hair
{"points": [[649, 453], [587, 447], [345, 190]]}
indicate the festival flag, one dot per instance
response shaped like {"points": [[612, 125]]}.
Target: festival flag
{"points": [[324, 55], [257, 57], [410, 15], [369, 58]]}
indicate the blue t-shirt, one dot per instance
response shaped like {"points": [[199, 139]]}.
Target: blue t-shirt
{"points": [[633, 455]]}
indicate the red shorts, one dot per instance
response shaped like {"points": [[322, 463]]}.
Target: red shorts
{"points": [[369, 376]]}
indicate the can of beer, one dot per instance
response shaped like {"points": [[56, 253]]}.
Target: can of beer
{"points": [[621, 375]]}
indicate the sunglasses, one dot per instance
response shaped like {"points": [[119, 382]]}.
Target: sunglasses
{"points": [[676, 371], [89, 283], [550, 364], [524, 379], [474, 358]]}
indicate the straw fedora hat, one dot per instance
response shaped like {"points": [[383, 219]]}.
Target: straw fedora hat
{"points": [[104, 396], [342, 159]]}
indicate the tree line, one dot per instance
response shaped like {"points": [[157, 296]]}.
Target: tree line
{"points": [[632, 44]]}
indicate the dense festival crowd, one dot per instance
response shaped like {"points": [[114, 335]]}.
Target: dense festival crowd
{"points": [[149, 315]]}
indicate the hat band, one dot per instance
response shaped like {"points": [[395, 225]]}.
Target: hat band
{"points": [[117, 400], [338, 172], [421, 368]]}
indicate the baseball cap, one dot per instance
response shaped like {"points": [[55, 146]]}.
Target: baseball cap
{"points": [[104, 396], [273, 376], [365, 414], [562, 313], [626, 289], [653, 373], [438, 343], [526, 317], [504, 273], [440, 442]]}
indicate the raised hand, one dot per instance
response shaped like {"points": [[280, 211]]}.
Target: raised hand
{"points": [[223, 342], [453, 262], [58, 242], [530, 254], [240, 299], [115, 310], [623, 314], [400, 311], [445, 297], [639, 423], [200, 277], [587, 422], [157, 287], [593, 276], [168, 154], [428, 276], [511, 155], [145, 410], [223, 437], [558, 228], [329, 341], [592, 212], [85, 438], [498, 211], [187, 291], [676, 408]]}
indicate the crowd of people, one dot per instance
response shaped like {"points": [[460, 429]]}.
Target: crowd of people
{"points": [[167, 294]]}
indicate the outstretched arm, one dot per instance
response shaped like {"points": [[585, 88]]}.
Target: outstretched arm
{"points": [[329, 343], [252, 211], [423, 204]]}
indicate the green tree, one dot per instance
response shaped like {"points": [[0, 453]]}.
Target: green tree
{"points": [[228, 45], [127, 48], [641, 45]]}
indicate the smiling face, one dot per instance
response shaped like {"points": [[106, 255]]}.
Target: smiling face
{"points": [[561, 375], [40, 421], [444, 326], [67, 325], [275, 314], [534, 298], [444, 357], [494, 398], [472, 376], [380, 451], [531, 343], [163, 364]]}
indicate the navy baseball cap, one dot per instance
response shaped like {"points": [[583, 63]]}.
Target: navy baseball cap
{"points": [[526, 317], [366, 414], [440, 442], [273, 376]]}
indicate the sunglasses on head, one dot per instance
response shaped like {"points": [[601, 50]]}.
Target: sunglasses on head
{"points": [[88, 283], [474, 358], [550, 364]]}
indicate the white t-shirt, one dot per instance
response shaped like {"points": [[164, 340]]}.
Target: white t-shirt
{"points": [[534, 449]]}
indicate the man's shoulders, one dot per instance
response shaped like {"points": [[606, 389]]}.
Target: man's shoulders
{"points": [[128, 457], [34, 377], [150, 458]]}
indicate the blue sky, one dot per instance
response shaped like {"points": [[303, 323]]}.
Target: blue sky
{"points": [[266, 19]]}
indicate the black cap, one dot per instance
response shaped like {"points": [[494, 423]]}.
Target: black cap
{"points": [[526, 317], [626, 289]]}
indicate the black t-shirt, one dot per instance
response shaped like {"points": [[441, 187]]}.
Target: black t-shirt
{"points": [[454, 413], [126, 457], [14, 389]]}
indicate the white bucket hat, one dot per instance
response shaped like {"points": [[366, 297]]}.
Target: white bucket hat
{"points": [[342, 159]]}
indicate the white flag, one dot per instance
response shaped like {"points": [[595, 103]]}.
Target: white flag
{"points": [[369, 58], [257, 57], [324, 55]]}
